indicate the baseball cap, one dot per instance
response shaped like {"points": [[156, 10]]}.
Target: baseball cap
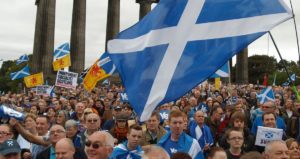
{"points": [[9, 146]]}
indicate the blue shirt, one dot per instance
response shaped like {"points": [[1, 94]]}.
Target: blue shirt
{"points": [[171, 147], [52, 153], [258, 122]]}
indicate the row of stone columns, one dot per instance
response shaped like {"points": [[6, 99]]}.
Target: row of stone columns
{"points": [[45, 27]]}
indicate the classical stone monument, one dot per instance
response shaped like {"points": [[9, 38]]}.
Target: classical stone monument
{"points": [[44, 38], [77, 48]]}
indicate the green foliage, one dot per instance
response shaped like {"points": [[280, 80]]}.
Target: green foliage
{"points": [[6, 84]]}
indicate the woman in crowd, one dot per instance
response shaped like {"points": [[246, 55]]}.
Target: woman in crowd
{"points": [[293, 147]]}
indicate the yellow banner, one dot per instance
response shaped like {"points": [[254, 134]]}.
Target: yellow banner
{"points": [[62, 62], [34, 80], [217, 83], [95, 74]]}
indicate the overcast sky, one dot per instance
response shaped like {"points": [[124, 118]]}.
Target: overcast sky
{"points": [[18, 23]]}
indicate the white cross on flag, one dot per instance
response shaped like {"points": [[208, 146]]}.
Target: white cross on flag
{"points": [[180, 43]]}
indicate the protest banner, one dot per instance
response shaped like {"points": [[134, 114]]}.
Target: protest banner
{"points": [[42, 90], [265, 135], [66, 79]]}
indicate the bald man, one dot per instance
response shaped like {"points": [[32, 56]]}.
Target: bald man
{"points": [[99, 145], [155, 152], [276, 150], [64, 149]]}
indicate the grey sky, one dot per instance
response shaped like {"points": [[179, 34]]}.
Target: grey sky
{"points": [[18, 23]]}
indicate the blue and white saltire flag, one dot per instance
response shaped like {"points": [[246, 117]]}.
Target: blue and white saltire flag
{"points": [[222, 72], [292, 78], [123, 97], [23, 58], [20, 74], [266, 94], [180, 43], [61, 51]]}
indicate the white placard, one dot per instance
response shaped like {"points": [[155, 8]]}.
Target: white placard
{"points": [[66, 79], [42, 90], [265, 135]]}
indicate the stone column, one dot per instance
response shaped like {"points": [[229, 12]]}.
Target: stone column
{"points": [[44, 39], [145, 6], [242, 67], [77, 48], [113, 20]]}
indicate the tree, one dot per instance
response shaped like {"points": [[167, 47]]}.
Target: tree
{"points": [[259, 65]]}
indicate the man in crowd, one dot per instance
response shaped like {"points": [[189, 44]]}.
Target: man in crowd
{"points": [[130, 148], [5, 133], [201, 132], [10, 149], [154, 131], [178, 141], [64, 149], [266, 108], [78, 114], [99, 145], [92, 123], [214, 121], [276, 150], [155, 152]]}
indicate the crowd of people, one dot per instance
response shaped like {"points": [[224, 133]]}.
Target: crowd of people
{"points": [[204, 123]]}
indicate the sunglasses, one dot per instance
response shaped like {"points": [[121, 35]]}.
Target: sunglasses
{"points": [[92, 120], [94, 145]]}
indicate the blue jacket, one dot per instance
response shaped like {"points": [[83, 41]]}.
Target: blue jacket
{"points": [[206, 137], [258, 122]]}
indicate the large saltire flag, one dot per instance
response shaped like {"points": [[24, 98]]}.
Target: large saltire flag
{"points": [[180, 43], [100, 70], [23, 58], [20, 74], [62, 62], [34, 80], [222, 72], [61, 51], [266, 94]]}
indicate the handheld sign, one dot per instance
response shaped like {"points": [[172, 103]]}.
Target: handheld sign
{"points": [[66, 79], [265, 135], [42, 90]]}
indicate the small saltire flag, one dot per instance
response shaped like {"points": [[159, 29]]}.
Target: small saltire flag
{"points": [[292, 78], [62, 50], [62, 62], [23, 58], [34, 80], [266, 94], [222, 72], [20, 74], [101, 69], [180, 43]]}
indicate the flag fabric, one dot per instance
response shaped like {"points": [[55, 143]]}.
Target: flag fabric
{"points": [[101, 69], [61, 51], [218, 83], [222, 72], [62, 62], [20, 74], [292, 78], [180, 43], [23, 58], [265, 83], [266, 94], [34, 80], [7, 113], [83, 73]]}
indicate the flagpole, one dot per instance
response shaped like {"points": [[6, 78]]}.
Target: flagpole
{"points": [[284, 64], [295, 25]]}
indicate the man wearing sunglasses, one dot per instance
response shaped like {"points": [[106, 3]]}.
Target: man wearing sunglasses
{"points": [[130, 148], [92, 123], [99, 145]]}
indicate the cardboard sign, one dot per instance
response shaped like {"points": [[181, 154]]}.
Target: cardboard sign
{"points": [[265, 135], [42, 90], [66, 79]]}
